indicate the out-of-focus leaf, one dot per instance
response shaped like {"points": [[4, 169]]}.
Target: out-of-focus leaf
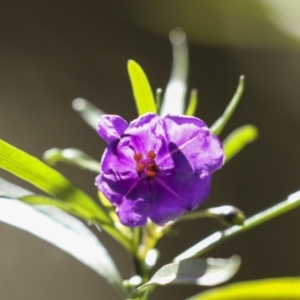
{"points": [[88, 112], [205, 272], [238, 139], [226, 214], [267, 289], [158, 97], [218, 126], [142, 91], [66, 233], [174, 98], [71, 156], [218, 237], [48, 180], [192, 105], [43, 200], [10, 190]]}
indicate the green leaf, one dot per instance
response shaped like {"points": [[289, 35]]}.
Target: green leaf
{"points": [[88, 112], [238, 139], [218, 126], [174, 97], [204, 272], [142, 91], [64, 232], [266, 289], [10, 190], [193, 102], [43, 200], [226, 214], [71, 156], [48, 180], [218, 237]]}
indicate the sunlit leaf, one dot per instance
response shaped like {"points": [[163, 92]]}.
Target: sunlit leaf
{"points": [[66, 233], [221, 236], [205, 272], [174, 98], [10, 190], [267, 289], [71, 156], [89, 112], [238, 139], [48, 180], [226, 214], [192, 105], [142, 91], [218, 126], [43, 200]]}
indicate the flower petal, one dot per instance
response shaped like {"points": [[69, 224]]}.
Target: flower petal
{"points": [[111, 127], [114, 190], [140, 133], [133, 213], [191, 188], [191, 136], [166, 206], [118, 159]]}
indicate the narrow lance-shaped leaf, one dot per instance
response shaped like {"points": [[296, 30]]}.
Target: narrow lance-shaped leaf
{"points": [[192, 105], [218, 237], [266, 289], [174, 98], [218, 126], [10, 190], [226, 214], [158, 97], [66, 233], [71, 156], [238, 139], [142, 91], [88, 112], [205, 272], [48, 180]]}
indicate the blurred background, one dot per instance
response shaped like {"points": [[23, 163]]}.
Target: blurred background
{"points": [[54, 51]]}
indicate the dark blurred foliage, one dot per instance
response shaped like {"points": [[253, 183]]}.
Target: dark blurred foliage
{"points": [[52, 52]]}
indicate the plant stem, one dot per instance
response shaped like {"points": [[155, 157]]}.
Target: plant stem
{"points": [[218, 237]]}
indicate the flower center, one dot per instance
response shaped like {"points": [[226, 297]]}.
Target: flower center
{"points": [[147, 166]]}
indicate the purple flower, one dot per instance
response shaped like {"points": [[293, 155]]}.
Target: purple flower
{"points": [[157, 167]]}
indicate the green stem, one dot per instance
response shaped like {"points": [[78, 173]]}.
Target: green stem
{"points": [[218, 237], [118, 236], [195, 215]]}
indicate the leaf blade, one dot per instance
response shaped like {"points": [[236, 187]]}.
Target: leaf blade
{"points": [[37, 173], [174, 97], [142, 91], [292, 201], [220, 123], [64, 232], [267, 289], [88, 112], [71, 156], [204, 272], [193, 102], [238, 139]]}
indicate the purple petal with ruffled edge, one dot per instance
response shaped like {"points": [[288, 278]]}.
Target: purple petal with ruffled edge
{"points": [[162, 187], [111, 127]]}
